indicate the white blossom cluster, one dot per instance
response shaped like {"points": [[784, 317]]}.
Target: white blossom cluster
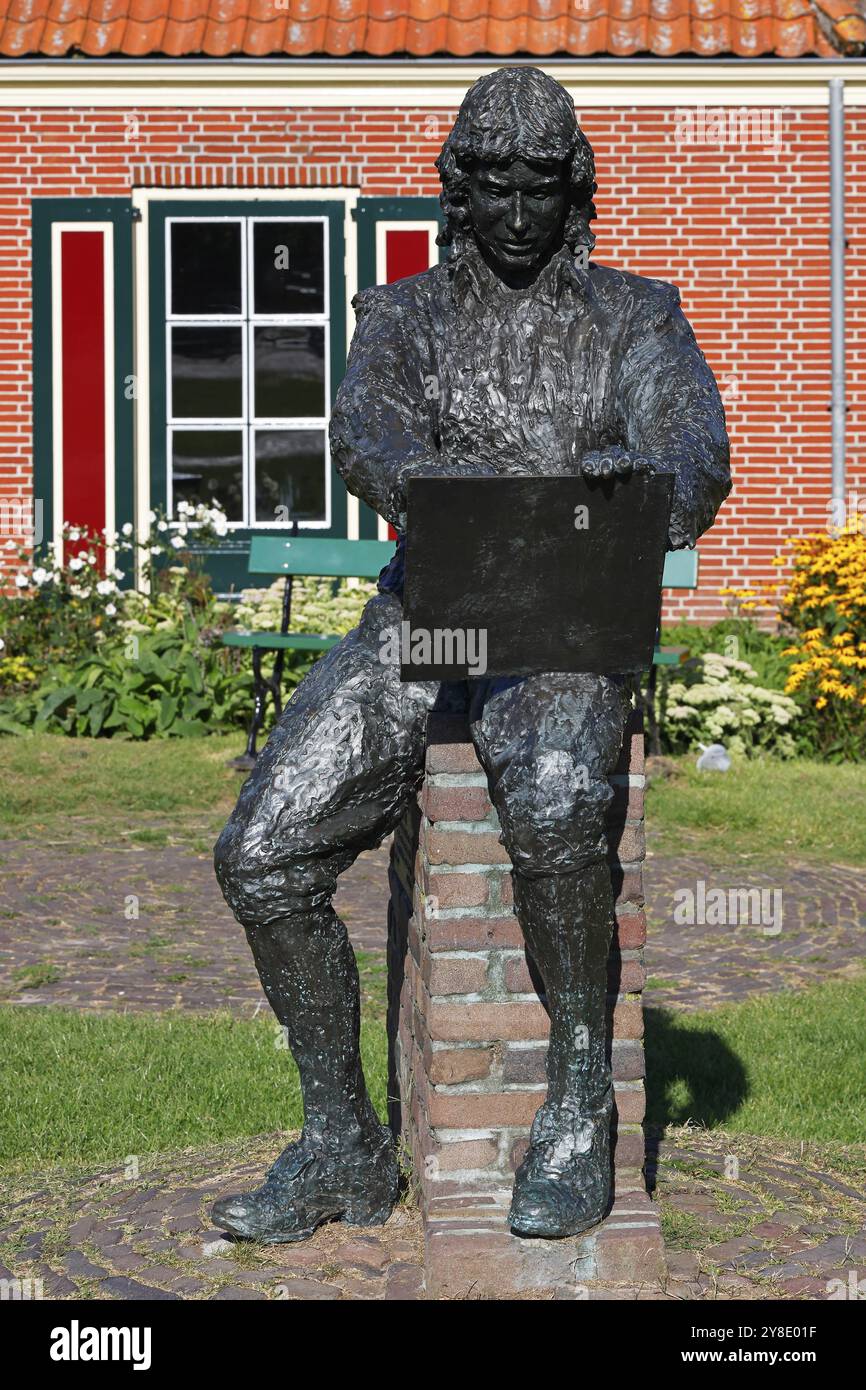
{"points": [[718, 700]]}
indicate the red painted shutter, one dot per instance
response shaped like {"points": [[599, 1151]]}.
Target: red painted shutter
{"points": [[82, 377], [406, 253]]}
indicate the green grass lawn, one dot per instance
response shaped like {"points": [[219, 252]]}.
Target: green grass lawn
{"points": [[782, 1066], [87, 1089], [771, 810], [49, 780], [90, 1089]]}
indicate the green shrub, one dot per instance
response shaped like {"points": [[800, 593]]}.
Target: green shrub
{"points": [[717, 699], [329, 606], [739, 638], [138, 685]]}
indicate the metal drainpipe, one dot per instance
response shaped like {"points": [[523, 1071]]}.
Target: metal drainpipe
{"points": [[837, 294]]}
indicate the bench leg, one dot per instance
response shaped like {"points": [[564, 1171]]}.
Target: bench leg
{"points": [[247, 759], [649, 703], [275, 684]]}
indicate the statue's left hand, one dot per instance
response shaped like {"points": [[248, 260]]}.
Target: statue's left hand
{"points": [[613, 462]]}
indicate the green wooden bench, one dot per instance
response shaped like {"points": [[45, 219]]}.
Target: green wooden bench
{"points": [[290, 556], [680, 572]]}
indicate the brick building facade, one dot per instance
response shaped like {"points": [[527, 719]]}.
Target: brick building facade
{"points": [[712, 174]]}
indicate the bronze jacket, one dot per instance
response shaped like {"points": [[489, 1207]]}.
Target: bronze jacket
{"points": [[450, 369]]}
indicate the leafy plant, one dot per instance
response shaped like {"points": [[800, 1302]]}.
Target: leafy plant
{"points": [[717, 699], [151, 685], [330, 606], [821, 606]]}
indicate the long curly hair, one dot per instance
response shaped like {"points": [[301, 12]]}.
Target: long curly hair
{"points": [[515, 113]]}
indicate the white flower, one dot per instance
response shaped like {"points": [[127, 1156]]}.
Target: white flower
{"points": [[105, 587], [76, 564], [118, 574], [126, 528], [2, 644], [110, 610], [75, 534], [151, 516], [40, 575], [156, 550], [182, 508], [162, 526], [22, 581], [177, 542]]}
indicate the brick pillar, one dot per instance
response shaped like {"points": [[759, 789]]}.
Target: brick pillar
{"points": [[469, 1038]]}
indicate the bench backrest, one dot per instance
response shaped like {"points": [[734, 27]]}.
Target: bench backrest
{"points": [[333, 558], [345, 559], [681, 570]]}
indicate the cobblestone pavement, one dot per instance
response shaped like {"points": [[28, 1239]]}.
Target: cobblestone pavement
{"points": [[783, 1225], [69, 933], [754, 1218], [108, 1236], [821, 929]]}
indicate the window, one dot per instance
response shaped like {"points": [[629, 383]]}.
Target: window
{"points": [[247, 354]]}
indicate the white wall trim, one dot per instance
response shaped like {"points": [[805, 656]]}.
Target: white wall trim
{"points": [[57, 380], [714, 82]]}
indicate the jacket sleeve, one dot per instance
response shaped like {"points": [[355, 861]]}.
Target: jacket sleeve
{"points": [[670, 409], [382, 428]]}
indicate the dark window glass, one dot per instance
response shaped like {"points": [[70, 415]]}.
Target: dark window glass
{"points": [[288, 268], [208, 466], [290, 475], [289, 371], [206, 268], [207, 371]]}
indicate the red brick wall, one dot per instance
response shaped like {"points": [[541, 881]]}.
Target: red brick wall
{"points": [[740, 227]]}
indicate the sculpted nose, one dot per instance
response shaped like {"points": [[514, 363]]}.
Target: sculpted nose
{"points": [[516, 219]]}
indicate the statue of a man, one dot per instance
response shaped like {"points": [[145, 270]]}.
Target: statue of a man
{"points": [[515, 356]]}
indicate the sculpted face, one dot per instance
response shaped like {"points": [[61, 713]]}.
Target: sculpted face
{"points": [[518, 216]]}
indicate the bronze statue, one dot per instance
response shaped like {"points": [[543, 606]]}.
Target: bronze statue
{"points": [[516, 355]]}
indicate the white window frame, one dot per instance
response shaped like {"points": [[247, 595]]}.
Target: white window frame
{"points": [[247, 321]]}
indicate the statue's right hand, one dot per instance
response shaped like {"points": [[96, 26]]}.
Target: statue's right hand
{"points": [[613, 462]]}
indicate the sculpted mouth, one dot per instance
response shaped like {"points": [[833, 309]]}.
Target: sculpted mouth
{"points": [[517, 248]]}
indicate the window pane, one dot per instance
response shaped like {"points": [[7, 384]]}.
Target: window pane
{"points": [[207, 371], [208, 466], [289, 371], [289, 267], [290, 475], [206, 268]]}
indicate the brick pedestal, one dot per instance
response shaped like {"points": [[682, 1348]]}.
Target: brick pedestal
{"points": [[469, 1036]]}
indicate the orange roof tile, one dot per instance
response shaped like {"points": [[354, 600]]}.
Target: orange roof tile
{"points": [[424, 28]]}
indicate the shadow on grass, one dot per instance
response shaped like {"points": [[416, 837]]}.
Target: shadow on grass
{"points": [[691, 1076]]}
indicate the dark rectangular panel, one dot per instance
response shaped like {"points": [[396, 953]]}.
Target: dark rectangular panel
{"points": [[558, 574]]}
